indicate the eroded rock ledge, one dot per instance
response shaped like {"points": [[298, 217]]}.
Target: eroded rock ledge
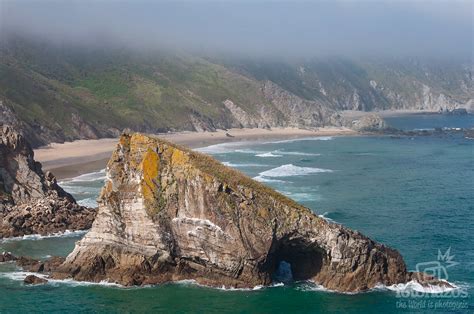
{"points": [[32, 202], [167, 213]]}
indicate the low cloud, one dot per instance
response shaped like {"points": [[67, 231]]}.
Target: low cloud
{"points": [[260, 28]]}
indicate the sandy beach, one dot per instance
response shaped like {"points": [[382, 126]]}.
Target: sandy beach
{"points": [[71, 159]]}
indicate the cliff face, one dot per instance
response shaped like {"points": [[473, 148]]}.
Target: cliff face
{"points": [[167, 213], [31, 202]]}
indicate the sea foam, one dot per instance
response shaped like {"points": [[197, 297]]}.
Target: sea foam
{"points": [[296, 153], [267, 180], [230, 164], [224, 148], [415, 286], [87, 177], [302, 196], [34, 237], [88, 202], [21, 275], [290, 170]]}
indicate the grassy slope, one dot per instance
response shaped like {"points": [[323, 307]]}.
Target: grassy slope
{"points": [[116, 89], [119, 89]]}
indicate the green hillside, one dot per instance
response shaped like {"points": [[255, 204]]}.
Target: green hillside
{"points": [[57, 93]]}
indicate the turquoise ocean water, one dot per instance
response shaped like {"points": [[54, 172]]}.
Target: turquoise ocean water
{"points": [[413, 194]]}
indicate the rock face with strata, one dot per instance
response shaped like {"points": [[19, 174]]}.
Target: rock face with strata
{"points": [[369, 123], [32, 202], [167, 213]]}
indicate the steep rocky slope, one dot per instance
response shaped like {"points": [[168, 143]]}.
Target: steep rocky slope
{"points": [[370, 84], [58, 93], [31, 202], [167, 213]]}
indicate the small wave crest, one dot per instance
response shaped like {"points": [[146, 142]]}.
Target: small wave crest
{"points": [[317, 138], [88, 202], [302, 196], [192, 282], [263, 179], [224, 148], [268, 155], [296, 153], [21, 275], [230, 164], [87, 177]]}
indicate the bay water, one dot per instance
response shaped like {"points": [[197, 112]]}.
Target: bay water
{"points": [[415, 194]]}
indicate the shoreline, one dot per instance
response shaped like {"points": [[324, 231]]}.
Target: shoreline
{"points": [[71, 159], [355, 114]]}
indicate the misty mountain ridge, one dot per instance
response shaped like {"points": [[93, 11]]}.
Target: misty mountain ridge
{"points": [[64, 92]]}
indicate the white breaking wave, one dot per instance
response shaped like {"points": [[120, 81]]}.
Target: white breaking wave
{"points": [[226, 148], [311, 286], [302, 196], [296, 153], [87, 177], [269, 154], [318, 138], [414, 285], [21, 275], [88, 202], [34, 237], [80, 189], [263, 179], [290, 170], [325, 217], [229, 164], [189, 282]]}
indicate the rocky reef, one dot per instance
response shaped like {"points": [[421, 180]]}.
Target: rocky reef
{"points": [[32, 202], [167, 213]]}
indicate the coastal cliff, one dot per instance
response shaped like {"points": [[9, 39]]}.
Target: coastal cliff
{"points": [[31, 202], [167, 213]]}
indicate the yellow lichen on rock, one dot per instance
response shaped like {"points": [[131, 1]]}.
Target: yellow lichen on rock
{"points": [[150, 168], [179, 157]]}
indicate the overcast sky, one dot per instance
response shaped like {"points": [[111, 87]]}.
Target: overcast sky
{"points": [[281, 28]]}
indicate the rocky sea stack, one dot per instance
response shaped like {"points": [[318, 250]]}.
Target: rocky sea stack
{"points": [[167, 213], [31, 202]]}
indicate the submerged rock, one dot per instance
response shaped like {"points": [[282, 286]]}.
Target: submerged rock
{"points": [[469, 133], [7, 257], [34, 280], [167, 213], [32, 202]]}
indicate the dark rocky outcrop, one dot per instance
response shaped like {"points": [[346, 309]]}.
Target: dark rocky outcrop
{"points": [[32, 202], [37, 266], [369, 123], [7, 257], [167, 213]]}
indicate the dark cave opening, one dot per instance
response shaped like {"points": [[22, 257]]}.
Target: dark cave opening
{"points": [[295, 260]]}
